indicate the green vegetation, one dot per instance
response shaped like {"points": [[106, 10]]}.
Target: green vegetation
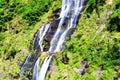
{"points": [[96, 39], [19, 20]]}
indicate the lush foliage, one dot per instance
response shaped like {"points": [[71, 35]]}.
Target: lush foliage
{"points": [[19, 20], [96, 39]]}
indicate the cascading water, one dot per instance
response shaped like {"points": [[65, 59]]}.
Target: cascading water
{"points": [[56, 33]]}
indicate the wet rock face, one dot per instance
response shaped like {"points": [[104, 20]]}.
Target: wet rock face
{"points": [[36, 41], [56, 13], [48, 36], [51, 31], [53, 28], [27, 67]]}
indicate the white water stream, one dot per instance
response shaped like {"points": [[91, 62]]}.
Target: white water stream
{"points": [[69, 15]]}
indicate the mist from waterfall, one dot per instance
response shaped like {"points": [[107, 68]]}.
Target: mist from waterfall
{"points": [[56, 33]]}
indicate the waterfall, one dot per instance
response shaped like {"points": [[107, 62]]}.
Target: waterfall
{"points": [[55, 33]]}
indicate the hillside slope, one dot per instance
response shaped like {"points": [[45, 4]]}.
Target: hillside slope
{"points": [[93, 52], [19, 20]]}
